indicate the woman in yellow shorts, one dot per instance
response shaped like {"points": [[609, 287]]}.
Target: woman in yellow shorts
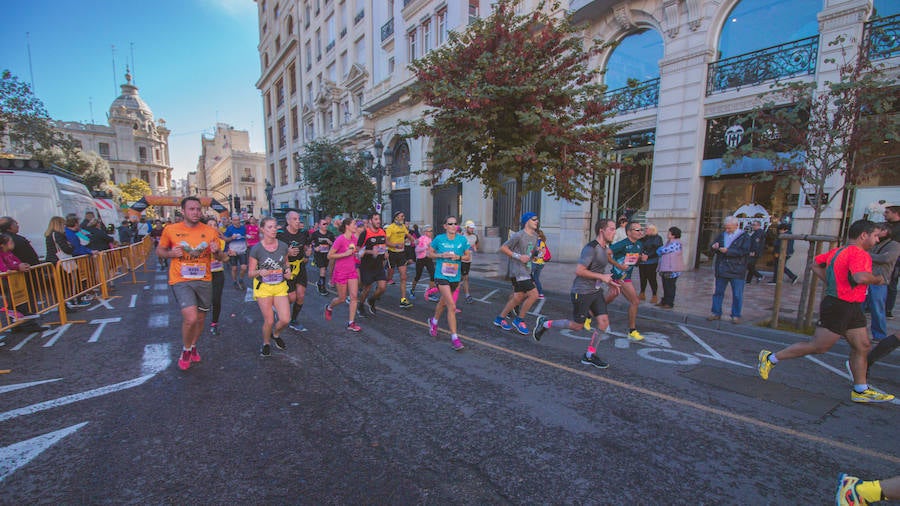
{"points": [[268, 267]]}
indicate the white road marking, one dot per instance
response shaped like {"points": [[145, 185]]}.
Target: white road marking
{"points": [[101, 302], [536, 310], [156, 359], [488, 296], [158, 321], [19, 386], [133, 300], [17, 455], [56, 333], [839, 372], [24, 341], [96, 335], [161, 286], [159, 300]]}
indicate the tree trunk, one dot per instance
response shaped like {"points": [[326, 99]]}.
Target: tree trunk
{"points": [[804, 317]]}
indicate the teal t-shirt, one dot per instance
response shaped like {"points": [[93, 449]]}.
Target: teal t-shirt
{"points": [[628, 254], [445, 268]]}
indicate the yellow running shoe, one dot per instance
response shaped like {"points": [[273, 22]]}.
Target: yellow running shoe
{"points": [[870, 395], [764, 365], [634, 335], [846, 492]]}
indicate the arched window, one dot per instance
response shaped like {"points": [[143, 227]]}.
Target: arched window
{"points": [[636, 57], [400, 164], [289, 25], [758, 24]]}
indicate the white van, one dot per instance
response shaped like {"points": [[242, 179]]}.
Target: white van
{"points": [[32, 194]]}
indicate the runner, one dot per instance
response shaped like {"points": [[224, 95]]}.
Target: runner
{"points": [[373, 245], [449, 250], [190, 244], [520, 248], [472, 239], [322, 239], [846, 272], [624, 255], [298, 243], [217, 267], [344, 275], [236, 240], [592, 279], [423, 261], [269, 269], [396, 235]]}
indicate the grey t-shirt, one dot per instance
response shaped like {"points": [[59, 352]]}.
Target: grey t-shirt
{"points": [[594, 257], [271, 260], [521, 243]]}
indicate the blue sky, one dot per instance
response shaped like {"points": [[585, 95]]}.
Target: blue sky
{"points": [[195, 62]]}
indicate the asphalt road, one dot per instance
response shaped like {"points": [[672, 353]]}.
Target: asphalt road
{"points": [[98, 413]]}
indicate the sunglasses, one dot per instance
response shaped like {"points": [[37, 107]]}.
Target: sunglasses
{"points": [[451, 224], [534, 219]]}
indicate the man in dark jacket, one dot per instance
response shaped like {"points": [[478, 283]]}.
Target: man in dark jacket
{"points": [[731, 249], [784, 228], [892, 217], [757, 246]]}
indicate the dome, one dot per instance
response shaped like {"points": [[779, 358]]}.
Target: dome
{"points": [[129, 105]]}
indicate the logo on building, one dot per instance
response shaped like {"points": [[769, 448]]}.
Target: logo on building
{"points": [[733, 136]]}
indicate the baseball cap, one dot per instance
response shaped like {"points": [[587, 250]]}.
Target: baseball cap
{"points": [[470, 224]]}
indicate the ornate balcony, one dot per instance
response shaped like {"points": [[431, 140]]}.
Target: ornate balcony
{"points": [[387, 29], [883, 36], [785, 60], [633, 98]]}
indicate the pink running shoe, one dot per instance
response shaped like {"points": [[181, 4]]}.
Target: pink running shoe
{"points": [[353, 327], [195, 355], [184, 363], [457, 344], [328, 312], [432, 327]]}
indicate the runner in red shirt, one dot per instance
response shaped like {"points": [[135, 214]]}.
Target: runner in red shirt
{"points": [[846, 272]]}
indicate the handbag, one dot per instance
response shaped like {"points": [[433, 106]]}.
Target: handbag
{"points": [[547, 254], [65, 259]]}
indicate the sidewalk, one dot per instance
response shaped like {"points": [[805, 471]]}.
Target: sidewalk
{"points": [[693, 295]]}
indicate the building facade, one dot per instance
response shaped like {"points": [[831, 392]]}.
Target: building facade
{"points": [[691, 69], [134, 145], [229, 172]]}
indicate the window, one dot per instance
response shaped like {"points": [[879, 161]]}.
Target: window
{"points": [[157, 155], [268, 103], [331, 72], [309, 94], [390, 65], [343, 13], [279, 93], [295, 124], [77, 143], [329, 121], [318, 44], [345, 66], [283, 171], [265, 60], [142, 155], [309, 131], [292, 79], [278, 43], [308, 46], [289, 25], [345, 111], [442, 26], [473, 11], [282, 133], [359, 48], [276, 12], [426, 36], [271, 140], [145, 175], [411, 44], [359, 102], [331, 32], [307, 14], [104, 150], [296, 169]]}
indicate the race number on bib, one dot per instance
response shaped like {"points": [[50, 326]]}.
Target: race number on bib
{"points": [[632, 258], [273, 278], [193, 271], [449, 269]]}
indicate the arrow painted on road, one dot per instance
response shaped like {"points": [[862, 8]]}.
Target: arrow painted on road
{"points": [[156, 359], [17, 455], [19, 386]]}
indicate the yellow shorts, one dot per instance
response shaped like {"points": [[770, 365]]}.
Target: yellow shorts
{"points": [[263, 290]]}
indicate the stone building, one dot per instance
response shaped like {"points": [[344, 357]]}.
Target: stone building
{"points": [[136, 146], [229, 172], [339, 68]]}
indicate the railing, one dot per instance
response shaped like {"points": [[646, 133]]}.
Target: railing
{"points": [[387, 29], [329, 46], [883, 36], [359, 15], [632, 98], [248, 179], [784, 60]]}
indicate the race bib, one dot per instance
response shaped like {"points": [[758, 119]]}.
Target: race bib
{"points": [[631, 258], [239, 247], [273, 278], [193, 271], [449, 269], [380, 249]]}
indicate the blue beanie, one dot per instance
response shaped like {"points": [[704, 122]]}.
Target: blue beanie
{"points": [[526, 217]]}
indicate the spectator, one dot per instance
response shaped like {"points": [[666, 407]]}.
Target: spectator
{"points": [[143, 229], [78, 240], [647, 268], [22, 246], [784, 228], [884, 256], [671, 263], [89, 216], [731, 248], [125, 233], [892, 217], [622, 230], [9, 262], [57, 241], [99, 239], [757, 247]]}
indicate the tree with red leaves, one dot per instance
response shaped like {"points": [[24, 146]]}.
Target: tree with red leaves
{"points": [[514, 97]]}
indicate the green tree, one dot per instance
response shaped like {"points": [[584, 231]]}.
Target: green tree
{"points": [[135, 190], [338, 180], [843, 129], [92, 168], [515, 97]]}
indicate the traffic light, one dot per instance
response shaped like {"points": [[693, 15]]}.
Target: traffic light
{"points": [[237, 204]]}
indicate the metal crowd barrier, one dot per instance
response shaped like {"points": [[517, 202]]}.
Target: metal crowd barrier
{"points": [[45, 287]]}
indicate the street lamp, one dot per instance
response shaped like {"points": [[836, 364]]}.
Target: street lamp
{"points": [[379, 170], [268, 190]]}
